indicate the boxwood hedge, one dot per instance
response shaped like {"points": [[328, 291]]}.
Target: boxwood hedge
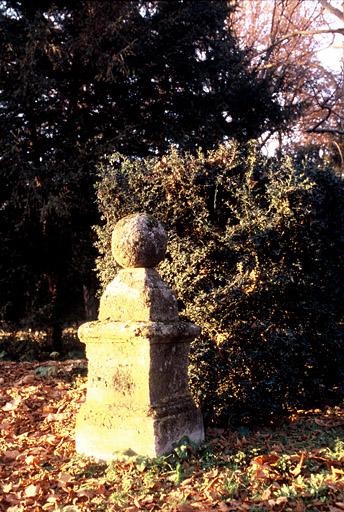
{"points": [[255, 257]]}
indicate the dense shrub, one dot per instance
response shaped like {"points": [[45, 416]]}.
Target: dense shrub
{"points": [[255, 257]]}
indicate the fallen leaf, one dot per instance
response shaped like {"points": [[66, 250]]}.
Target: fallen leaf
{"points": [[184, 507], [336, 471], [261, 474], [297, 470], [223, 507], [11, 454], [27, 379], [211, 483], [54, 417], [337, 485], [329, 422], [51, 439], [12, 406], [266, 459], [187, 482], [48, 408], [87, 493], [300, 506], [7, 487], [266, 495], [65, 477], [31, 491], [31, 460], [278, 501]]}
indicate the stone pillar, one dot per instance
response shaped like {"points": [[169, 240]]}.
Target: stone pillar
{"points": [[138, 399]]}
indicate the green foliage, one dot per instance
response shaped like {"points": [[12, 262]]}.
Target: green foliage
{"points": [[337, 453], [255, 257], [289, 465]]}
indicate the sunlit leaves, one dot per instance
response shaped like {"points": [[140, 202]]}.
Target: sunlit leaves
{"points": [[255, 257], [296, 467]]}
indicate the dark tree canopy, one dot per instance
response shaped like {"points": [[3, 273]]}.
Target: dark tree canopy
{"points": [[80, 78]]}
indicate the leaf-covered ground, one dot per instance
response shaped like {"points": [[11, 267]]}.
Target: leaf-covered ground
{"points": [[299, 466]]}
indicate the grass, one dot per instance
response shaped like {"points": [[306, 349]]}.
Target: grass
{"points": [[298, 466]]}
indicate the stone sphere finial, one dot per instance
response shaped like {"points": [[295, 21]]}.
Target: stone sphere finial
{"points": [[138, 240]]}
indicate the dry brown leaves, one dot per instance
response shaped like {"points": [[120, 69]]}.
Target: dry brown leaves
{"points": [[39, 470], [37, 416]]}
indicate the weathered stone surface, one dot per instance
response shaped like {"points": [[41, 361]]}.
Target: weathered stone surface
{"points": [[138, 294], [138, 240], [156, 332], [138, 398], [106, 433]]}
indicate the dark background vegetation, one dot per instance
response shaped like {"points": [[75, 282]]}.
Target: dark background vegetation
{"points": [[256, 245], [78, 79]]}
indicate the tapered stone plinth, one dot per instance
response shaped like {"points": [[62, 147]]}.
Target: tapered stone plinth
{"points": [[138, 399]]}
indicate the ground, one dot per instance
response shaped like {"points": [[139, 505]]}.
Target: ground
{"points": [[298, 466]]}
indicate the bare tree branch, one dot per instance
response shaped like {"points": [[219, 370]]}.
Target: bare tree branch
{"points": [[332, 9], [284, 38], [335, 131], [339, 30], [337, 146]]}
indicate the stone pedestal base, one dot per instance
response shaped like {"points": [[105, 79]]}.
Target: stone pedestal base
{"points": [[138, 400], [107, 432]]}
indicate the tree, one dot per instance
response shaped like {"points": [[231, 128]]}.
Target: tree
{"points": [[79, 78], [285, 37]]}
